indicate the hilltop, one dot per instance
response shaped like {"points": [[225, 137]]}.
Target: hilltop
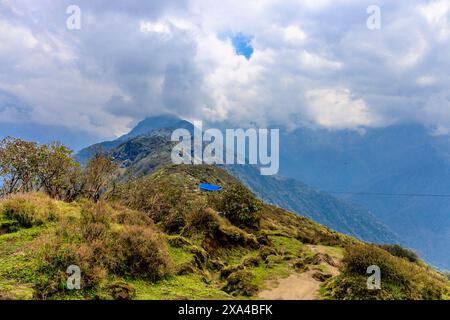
{"points": [[148, 147]]}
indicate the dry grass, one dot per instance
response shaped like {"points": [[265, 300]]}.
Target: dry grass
{"points": [[31, 209], [105, 241]]}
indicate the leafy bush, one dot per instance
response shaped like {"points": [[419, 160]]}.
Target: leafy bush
{"points": [[240, 283], [401, 252], [102, 242], [141, 252], [55, 256], [123, 215], [120, 290], [204, 219], [164, 202], [174, 221], [97, 175], [266, 251], [251, 261], [240, 207], [400, 279]]}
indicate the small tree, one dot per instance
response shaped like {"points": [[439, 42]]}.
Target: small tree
{"points": [[98, 174], [18, 165], [56, 170]]}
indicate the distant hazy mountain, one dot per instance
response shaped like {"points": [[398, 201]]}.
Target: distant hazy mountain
{"points": [[402, 159], [314, 204], [148, 146]]}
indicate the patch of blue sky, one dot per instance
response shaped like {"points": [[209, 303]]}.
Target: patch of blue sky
{"points": [[241, 43]]}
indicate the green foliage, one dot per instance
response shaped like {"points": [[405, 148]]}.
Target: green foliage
{"points": [[121, 290], [141, 252], [162, 200], [58, 172], [26, 166], [204, 220], [240, 206], [399, 251], [251, 261], [98, 174], [19, 161], [400, 279], [30, 209], [266, 251], [101, 246], [240, 283], [122, 253]]}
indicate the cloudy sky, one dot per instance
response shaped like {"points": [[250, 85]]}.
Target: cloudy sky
{"points": [[295, 63]]}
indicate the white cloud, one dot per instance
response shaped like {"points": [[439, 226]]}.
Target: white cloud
{"points": [[426, 81], [336, 108], [314, 62], [294, 34], [437, 15], [436, 113], [156, 27]]}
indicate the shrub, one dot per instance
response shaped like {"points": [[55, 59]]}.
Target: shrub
{"points": [[227, 270], [231, 235], [401, 252], [178, 241], [141, 252], [205, 219], [120, 290], [240, 207], [266, 251], [239, 283], [164, 202], [101, 247], [400, 279], [174, 221], [251, 261], [55, 257], [123, 215], [29, 209], [358, 257], [98, 173]]}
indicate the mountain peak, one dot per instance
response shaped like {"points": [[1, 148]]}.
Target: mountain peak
{"points": [[151, 123]]}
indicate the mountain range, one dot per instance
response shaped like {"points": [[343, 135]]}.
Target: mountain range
{"points": [[380, 185], [148, 147], [400, 173]]}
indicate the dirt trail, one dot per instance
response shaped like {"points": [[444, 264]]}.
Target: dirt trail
{"points": [[298, 286], [303, 286]]}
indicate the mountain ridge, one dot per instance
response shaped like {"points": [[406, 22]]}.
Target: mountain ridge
{"points": [[147, 151]]}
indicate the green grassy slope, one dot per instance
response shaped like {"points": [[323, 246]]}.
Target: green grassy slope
{"points": [[159, 237], [142, 154]]}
